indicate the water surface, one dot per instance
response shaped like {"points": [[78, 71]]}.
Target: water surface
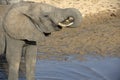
{"points": [[94, 68]]}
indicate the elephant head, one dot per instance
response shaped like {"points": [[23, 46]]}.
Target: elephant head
{"points": [[70, 17], [33, 21]]}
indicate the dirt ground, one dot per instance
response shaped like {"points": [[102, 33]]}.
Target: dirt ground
{"points": [[97, 39], [99, 32]]}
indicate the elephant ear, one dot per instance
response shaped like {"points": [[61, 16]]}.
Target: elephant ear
{"points": [[19, 26], [40, 21]]}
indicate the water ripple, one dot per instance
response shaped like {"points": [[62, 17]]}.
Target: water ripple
{"points": [[75, 70], [68, 71]]}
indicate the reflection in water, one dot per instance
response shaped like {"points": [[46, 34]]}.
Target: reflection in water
{"points": [[3, 75], [92, 69]]}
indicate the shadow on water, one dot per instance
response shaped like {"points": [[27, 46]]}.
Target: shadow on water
{"points": [[94, 68], [3, 66]]}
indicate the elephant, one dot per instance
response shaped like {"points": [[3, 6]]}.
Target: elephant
{"points": [[9, 1], [23, 25]]}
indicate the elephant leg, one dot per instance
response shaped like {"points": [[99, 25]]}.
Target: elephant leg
{"points": [[30, 57], [13, 55]]}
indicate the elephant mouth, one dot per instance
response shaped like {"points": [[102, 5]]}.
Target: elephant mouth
{"points": [[67, 22], [46, 34]]}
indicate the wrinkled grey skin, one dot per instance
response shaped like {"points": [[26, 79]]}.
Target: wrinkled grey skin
{"points": [[3, 2], [23, 25], [10, 1]]}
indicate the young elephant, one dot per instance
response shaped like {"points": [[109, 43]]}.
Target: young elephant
{"points": [[26, 23], [10, 1]]}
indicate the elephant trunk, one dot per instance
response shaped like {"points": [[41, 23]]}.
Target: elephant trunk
{"points": [[74, 17]]}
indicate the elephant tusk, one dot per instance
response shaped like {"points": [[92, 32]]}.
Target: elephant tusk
{"points": [[68, 22], [65, 25]]}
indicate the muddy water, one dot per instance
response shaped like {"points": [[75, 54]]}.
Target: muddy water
{"points": [[93, 68]]}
